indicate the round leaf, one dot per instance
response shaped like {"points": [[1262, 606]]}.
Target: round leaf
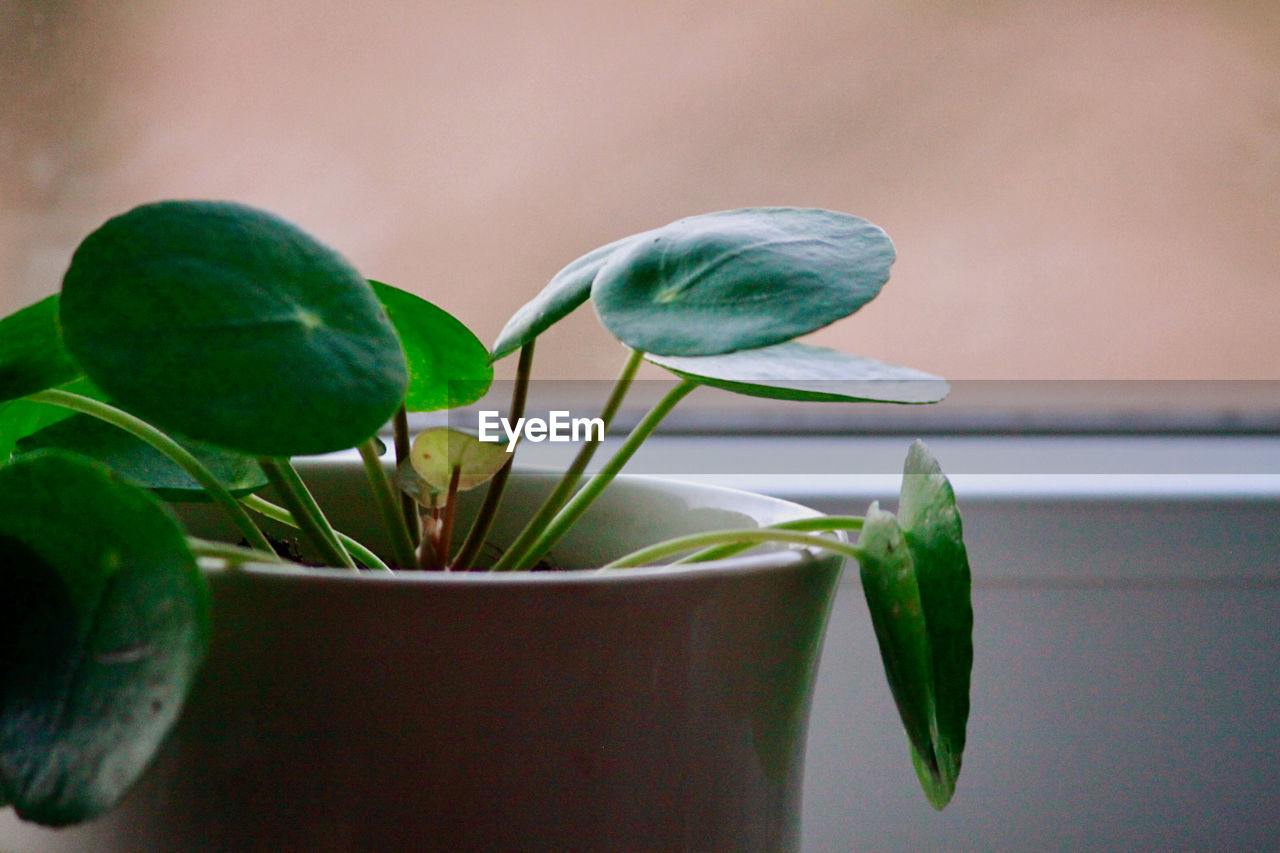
{"points": [[740, 279], [32, 357], [233, 327], [448, 366], [137, 462], [567, 289], [103, 624], [933, 531], [438, 451], [796, 371]]}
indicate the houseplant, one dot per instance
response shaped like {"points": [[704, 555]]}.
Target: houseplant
{"points": [[201, 345]]}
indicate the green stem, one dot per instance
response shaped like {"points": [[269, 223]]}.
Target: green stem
{"points": [[384, 497], [408, 506], [755, 536], [483, 522], [444, 532], [146, 432], [574, 509], [311, 521], [826, 522], [278, 513], [518, 553], [232, 554]]}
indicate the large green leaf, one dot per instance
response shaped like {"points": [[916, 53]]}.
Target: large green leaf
{"points": [[932, 527], [567, 289], [897, 614], [137, 462], [32, 356], [740, 279], [233, 327], [796, 371], [448, 366], [103, 624]]}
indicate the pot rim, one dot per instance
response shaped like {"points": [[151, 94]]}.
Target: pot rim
{"points": [[750, 563]]}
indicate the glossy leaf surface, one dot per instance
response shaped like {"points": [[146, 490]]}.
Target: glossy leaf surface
{"points": [[932, 527], [796, 371], [103, 624], [230, 326], [568, 288], [448, 365], [137, 462], [32, 356], [740, 279]]}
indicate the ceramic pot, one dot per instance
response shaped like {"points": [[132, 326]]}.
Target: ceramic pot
{"points": [[640, 709]]}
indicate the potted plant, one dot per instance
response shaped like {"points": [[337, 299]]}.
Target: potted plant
{"points": [[395, 696]]}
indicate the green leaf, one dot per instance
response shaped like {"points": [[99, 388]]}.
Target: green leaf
{"points": [[21, 418], [438, 451], [740, 279], [232, 327], [567, 289], [448, 366], [32, 356], [932, 527], [897, 615], [796, 371], [137, 462], [103, 624]]}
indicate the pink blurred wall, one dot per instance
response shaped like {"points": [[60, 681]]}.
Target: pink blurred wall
{"points": [[1076, 189]]}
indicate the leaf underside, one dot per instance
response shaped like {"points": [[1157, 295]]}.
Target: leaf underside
{"points": [[796, 371]]}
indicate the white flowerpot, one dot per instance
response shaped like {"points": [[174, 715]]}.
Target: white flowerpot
{"points": [[569, 711]]}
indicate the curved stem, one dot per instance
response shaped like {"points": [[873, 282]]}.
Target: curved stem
{"points": [[384, 497], [311, 521], [517, 554], [826, 522], [184, 458], [266, 508], [483, 522], [754, 536], [574, 509]]}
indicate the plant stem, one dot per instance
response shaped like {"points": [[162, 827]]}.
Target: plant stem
{"points": [[300, 502], [282, 515], [574, 509], [232, 554], [408, 506], [828, 522], [483, 522], [170, 448], [756, 536], [444, 533], [385, 499], [517, 553]]}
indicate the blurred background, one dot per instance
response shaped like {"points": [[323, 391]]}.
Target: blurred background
{"points": [[1076, 189]]}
